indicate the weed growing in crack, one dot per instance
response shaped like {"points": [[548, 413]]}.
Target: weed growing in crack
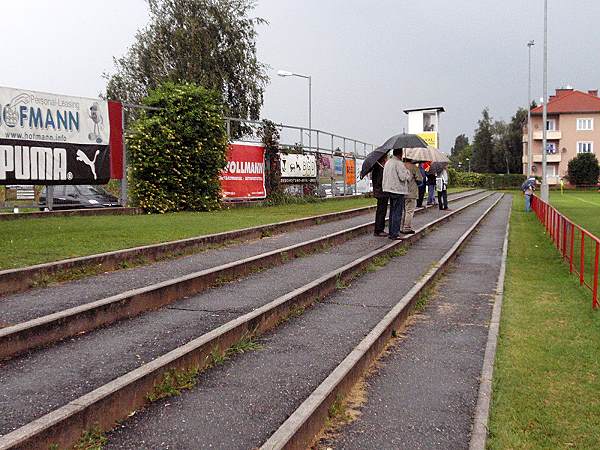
{"points": [[341, 284], [173, 382], [92, 439]]}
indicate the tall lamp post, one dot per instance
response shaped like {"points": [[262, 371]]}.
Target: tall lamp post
{"points": [[285, 73], [545, 189], [529, 130], [469, 161]]}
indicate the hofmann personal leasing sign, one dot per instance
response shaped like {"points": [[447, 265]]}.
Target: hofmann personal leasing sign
{"points": [[53, 139]]}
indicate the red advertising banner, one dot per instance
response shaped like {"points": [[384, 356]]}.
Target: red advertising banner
{"points": [[244, 175]]}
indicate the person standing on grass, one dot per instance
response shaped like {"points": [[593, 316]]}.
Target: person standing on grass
{"points": [[395, 185], [441, 185], [422, 186], [382, 197], [528, 191], [410, 199]]}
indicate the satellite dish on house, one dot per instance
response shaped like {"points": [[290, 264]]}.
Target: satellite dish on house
{"points": [[564, 149]]}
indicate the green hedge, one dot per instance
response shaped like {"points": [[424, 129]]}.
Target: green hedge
{"points": [[486, 180], [178, 150]]}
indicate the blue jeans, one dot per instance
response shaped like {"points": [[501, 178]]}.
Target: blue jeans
{"points": [[431, 194], [396, 209], [527, 203]]}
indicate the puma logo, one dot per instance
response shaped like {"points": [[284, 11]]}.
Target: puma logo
{"points": [[84, 159]]}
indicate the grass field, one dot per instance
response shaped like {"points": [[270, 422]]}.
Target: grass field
{"points": [[32, 241], [547, 375], [583, 207]]}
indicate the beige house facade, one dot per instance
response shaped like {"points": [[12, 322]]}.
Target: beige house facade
{"points": [[573, 126]]}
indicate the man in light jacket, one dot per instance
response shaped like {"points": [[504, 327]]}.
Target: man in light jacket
{"points": [[395, 184], [410, 199]]}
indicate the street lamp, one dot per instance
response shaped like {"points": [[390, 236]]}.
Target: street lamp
{"points": [[469, 161], [545, 189], [529, 130], [286, 73]]}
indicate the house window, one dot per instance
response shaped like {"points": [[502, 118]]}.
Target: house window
{"points": [[585, 147], [551, 125], [551, 148], [585, 124]]}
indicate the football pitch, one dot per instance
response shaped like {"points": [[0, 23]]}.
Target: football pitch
{"points": [[582, 207]]}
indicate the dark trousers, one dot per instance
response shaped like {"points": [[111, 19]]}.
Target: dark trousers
{"points": [[380, 213], [422, 190], [443, 199], [396, 209]]}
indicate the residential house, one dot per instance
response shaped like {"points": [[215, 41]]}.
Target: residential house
{"points": [[573, 126]]}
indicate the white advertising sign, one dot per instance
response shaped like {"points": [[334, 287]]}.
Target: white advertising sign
{"points": [[298, 166], [43, 117], [53, 139]]}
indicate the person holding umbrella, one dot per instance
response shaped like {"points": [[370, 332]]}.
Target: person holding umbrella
{"points": [[382, 197], [395, 185], [375, 162], [422, 185], [410, 199]]}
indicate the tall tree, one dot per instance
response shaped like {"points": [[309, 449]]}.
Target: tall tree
{"points": [[483, 145], [208, 42], [460, 152], [460, 142], [515, 139]]}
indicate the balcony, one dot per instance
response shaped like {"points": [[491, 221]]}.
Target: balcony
{"points": [[550, 135], [551, 158]]}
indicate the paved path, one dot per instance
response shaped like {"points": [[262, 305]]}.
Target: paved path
{"points": [[425, 393], [238, 405]]}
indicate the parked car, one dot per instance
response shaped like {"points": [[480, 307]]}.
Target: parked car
{"points": [[79, 196]]}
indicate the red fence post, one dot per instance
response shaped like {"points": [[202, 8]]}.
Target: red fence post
{"points": [[581, 261], [572, 247], [564, 237], [595, 291]]}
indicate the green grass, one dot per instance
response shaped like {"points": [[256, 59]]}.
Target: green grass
{"points": [[33, 241], [546, 380], [583, 207]]}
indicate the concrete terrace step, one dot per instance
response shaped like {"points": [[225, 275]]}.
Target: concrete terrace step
{"points": [[239, 404], [29, 305], [35, 384]]}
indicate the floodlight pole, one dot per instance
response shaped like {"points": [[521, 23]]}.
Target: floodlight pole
{"points": [[529, 130], [285, 73], [545, 188]]}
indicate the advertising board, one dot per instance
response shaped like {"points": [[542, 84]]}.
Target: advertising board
{"points": [[431, 137], [244, 175], [53, 139], [296, 168]]}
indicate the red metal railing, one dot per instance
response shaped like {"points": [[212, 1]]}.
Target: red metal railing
{"points": [[576, 245]]}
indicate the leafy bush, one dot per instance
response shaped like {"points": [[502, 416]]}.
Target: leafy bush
{"points": [[485, 180], [178, 151], [583, 169]]}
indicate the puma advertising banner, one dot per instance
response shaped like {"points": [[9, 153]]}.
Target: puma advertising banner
{"points": [[53, 139]]}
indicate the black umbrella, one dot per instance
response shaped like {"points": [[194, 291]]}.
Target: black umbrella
{"points": [[402, 140], [437, 167]]}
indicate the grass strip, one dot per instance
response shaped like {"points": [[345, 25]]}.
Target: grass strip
{"points": [[28, 242], [546, 393]]}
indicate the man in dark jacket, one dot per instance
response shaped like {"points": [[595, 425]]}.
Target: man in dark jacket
{"points": [[382, 197], [422, 186]]}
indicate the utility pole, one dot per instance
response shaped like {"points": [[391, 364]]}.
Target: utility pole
{"points": [[545, 189], [529, 130]]}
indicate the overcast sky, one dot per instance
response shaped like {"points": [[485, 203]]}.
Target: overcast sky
{"points": [[369, 59]]}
